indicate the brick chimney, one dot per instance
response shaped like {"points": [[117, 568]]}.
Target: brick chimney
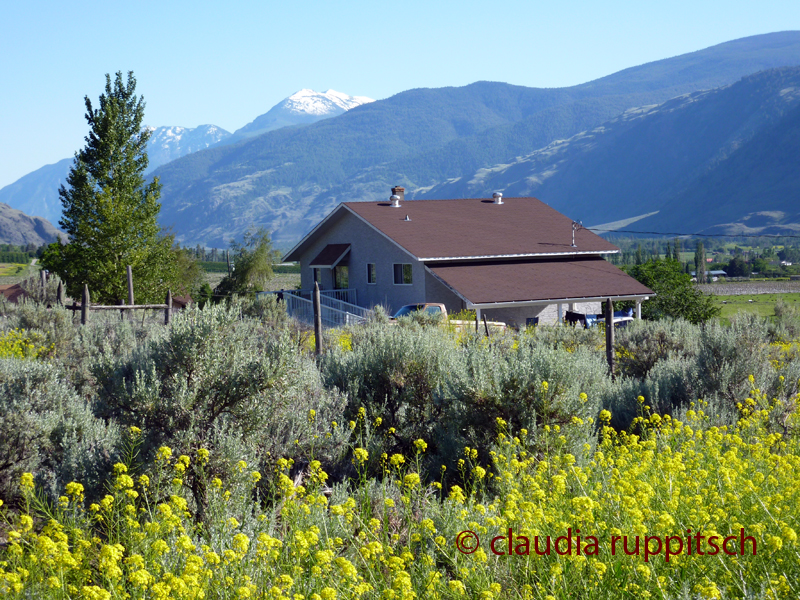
{"points": [[400, 192]]}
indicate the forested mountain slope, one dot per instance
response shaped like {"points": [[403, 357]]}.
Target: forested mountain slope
{"points": [[288, 179]]}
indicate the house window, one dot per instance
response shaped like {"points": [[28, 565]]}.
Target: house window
{"points": [[402, 274], [341, 278], [371, 277]]}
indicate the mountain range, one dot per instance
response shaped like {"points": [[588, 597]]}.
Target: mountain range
{"points": [[37, 193], [722, 160], [702, 140], [288, 179]]}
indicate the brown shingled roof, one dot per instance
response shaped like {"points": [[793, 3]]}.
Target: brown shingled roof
{"points": [[440, 229], [13, 293], [541, 279]]}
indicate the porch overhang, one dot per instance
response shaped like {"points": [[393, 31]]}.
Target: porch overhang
{"points": [[331, 255]]}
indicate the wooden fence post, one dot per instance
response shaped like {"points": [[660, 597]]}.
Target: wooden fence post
{"points": [[85, 304], [60, 293], [130, 286], [168, 310], [317, 320], [609, 310]]}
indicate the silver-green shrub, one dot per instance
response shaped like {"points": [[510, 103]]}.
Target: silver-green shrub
{"points": [[728, 356], [217, 381], [642, 344], [48, 430], [426, 383]]}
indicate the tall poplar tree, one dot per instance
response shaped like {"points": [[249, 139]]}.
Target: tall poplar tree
{"points": [[700, 263], [110, 211]]}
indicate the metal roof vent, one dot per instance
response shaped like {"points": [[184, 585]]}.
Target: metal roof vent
{"points": [[498, 198], [395, 200], [576, 225], [407, 218]]}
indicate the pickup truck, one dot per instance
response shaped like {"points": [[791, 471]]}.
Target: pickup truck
{"points": [[430, 308]]}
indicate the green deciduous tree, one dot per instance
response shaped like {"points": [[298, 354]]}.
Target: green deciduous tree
{"points": [[738, 267], [700, 263], [252, 264], [676, 297], [110, 211]]}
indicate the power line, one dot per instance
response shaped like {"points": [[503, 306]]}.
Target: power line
{"points": [[709, 235]]}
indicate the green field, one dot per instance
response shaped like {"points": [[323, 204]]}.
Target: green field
{"points": [[11, 273], [9, 270], [760, 304], [222, 267]]}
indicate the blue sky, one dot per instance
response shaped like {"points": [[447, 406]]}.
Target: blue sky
{"points": [[226, 63]]}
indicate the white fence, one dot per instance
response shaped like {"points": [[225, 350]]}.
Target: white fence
{"points": [[335, 312], [349, 296]]}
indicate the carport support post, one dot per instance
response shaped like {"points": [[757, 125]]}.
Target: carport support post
{"points": [[639, 309], [560, 314], [610, 335], [477, 318], [317, 320]]}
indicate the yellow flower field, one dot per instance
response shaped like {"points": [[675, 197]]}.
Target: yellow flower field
{"points": [[677, 486]]}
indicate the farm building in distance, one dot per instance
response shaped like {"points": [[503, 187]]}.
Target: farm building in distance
{"points": [[514, 260]]}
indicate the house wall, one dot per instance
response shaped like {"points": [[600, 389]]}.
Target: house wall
{"points": [[367, 245], [436, 291]]}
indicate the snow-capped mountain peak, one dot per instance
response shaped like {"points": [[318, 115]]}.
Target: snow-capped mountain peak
{"points": [[301, 108], [310, 102], [168, 143]]}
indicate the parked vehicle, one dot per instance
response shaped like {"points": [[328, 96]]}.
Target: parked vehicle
{"points": [[430, 308]]}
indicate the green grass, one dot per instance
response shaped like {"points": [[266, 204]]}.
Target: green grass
{"points": [[10, 269], [11, 273], [760, 304]]}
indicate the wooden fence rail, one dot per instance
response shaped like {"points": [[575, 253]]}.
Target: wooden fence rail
{"points": [[86, 305]]}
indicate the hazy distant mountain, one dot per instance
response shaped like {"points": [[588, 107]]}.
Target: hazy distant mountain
{"points": [[707, 159], [37, 193], [301, 108], [289, 178], [18, 228]]}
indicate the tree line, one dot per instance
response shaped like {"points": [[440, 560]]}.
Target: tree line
{"points": [[767, 257]]}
